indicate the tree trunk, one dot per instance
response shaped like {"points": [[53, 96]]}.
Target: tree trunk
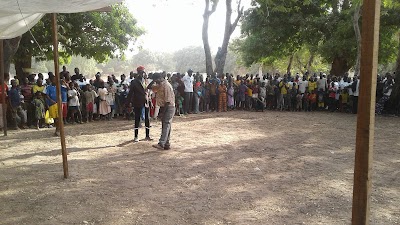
{"points": [[301, 66], [20, 64], [396, 89], [335, 7], [10, 48], [398, 64], [289, 67], [229, 29], [339, 66], [206, 19], [357, 31], [310, 62]]}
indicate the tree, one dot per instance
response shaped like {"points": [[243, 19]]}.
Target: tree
{"points": [[230, 27], [98, 35], [206, 19], [328, 28], [190, 58], [10, 48]]}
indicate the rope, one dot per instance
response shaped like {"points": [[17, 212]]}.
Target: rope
{"points": [[37, 43]]}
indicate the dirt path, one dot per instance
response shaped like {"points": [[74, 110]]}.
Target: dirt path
{"points": [[228, 168]]}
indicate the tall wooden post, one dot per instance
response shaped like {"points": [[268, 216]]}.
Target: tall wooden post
{"points": [[366, 112], [3, 96], [59, 100]]}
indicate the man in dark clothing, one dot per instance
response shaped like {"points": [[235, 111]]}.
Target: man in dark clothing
{"points": [[138, 96], [76, 76]]}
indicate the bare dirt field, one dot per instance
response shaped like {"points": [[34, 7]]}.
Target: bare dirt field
{"points": [[224, 168]]}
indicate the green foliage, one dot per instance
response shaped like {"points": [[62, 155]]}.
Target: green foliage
{"points": [[98, 35], [275, 29]]}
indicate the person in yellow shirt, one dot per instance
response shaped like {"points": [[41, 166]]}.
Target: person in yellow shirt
{"points": [[283, 100], [238, 81], [312, 84], [38, 86], [343, 100], [249, 96]]}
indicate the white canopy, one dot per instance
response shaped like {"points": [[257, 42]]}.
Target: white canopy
{"points": [[18, 16]]}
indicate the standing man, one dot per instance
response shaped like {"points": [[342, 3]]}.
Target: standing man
{"points": [[355, 86], [139, 99], [51, 101], [167, 103], [188, 81]]}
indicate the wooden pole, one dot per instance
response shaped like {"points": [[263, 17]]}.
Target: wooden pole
{"points": [[59, 100], [3, 96], [366, 112]]}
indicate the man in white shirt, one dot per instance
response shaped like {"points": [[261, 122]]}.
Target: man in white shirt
{"points": [[322, 83], [303, 84], [355, 86], [188, 82]]}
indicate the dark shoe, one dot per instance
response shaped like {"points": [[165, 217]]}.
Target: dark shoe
{"points": [[158, 146], [147, 139], [167, 147]]}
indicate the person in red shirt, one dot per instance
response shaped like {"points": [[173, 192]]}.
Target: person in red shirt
{"points": [[3, 91], [313, 100]]}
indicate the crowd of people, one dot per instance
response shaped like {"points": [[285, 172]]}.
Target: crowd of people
{"points": [[32, 101]]}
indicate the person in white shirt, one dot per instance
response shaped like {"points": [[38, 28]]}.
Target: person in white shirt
{"points": [[73, 103], [303, 84], [322, 83], [188, 82], [355, 86]]}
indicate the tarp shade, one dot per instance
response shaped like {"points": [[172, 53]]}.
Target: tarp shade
{"points": [[14, 24]]}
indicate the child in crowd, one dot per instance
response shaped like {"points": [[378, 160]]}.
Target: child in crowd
{"points": [[206, 96], [344, 99], [122, 95], [90, 96], [313, 100], [38, 103], [249, 96], [222, 106], [231, 99], [242, 95], [180, 104], [213, 94], [73, 104], [104, 109], [299, 101], [293, 97], [306, 101], [270, 95], [254, 90], [321, 101]]}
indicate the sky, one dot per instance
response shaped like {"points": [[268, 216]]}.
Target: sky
{"points": [[174, 24]]}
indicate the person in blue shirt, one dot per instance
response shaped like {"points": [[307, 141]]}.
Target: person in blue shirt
{"points": [[64, 99], [51, 101], [17, 112]]}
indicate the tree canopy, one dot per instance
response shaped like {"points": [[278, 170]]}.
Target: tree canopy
{"points": [[276, 29], [98, 35]]}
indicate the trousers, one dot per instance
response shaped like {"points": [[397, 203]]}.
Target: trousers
{"points": [[167, 116], [138, 113]]}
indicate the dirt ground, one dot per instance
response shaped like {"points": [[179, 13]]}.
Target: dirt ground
{"points": [[224, 168]]}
